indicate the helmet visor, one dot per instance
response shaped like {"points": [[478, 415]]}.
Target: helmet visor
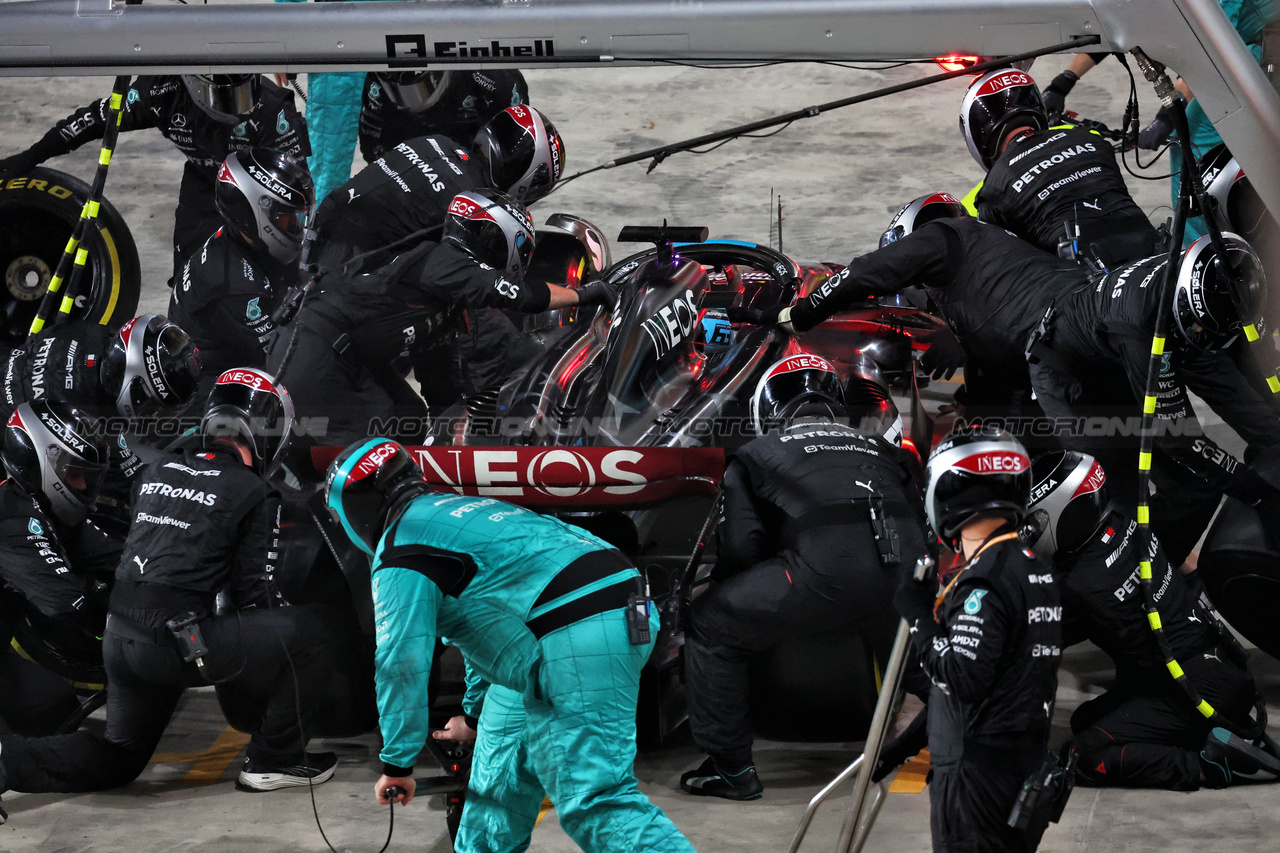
{"points": [[415, 91], [82, 477], [226, 97]]}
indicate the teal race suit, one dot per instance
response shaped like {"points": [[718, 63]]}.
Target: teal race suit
{"points": [[537, 607]]}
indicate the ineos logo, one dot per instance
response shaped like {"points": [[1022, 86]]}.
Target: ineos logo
{"points": [[538, 481], [995, 462], [372, 460], [462, 207]]}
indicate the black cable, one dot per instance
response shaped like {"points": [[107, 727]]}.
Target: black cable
{"points": [[311, 786]]}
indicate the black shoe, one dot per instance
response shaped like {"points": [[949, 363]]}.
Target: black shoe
{"points": [[258, 775], [710, 780], [1227, 757]]}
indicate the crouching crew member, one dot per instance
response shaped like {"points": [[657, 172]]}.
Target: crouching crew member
{"points": [[205, 521], [990, 642], [1144, 732], [816, 515], [551, 616]]}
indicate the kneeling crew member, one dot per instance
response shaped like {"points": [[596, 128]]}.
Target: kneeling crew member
{"points": [[539, 608], [204, 522], [990, 643], [1144, 732], [816, 514]]}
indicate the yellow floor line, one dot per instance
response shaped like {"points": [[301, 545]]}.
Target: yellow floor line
{"points": [[208, 766], [542, 812], [910, 779]]}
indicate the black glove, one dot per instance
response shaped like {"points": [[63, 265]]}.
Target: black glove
{"points": [[914, 601], [780, 316], [944, 355], [598, 291], [1158, 132], [19, 164], [1055, 95], [904, 747]]}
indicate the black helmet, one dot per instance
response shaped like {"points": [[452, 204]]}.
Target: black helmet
{"points": [[996, 103], [520, 153], [365, 483], [1068, 502], [246, 403], [1212, 301], [152, 366], [797, 386], [413, 91], [869, 403], [228, 98], [493, 228], [264, 194], [975, 472], [924, 209], [54, 453]]}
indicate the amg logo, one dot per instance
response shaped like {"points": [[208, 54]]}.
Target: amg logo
{"points": [[410, 49]]}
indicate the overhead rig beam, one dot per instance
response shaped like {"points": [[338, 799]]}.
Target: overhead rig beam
{"points": [[87, 37]]}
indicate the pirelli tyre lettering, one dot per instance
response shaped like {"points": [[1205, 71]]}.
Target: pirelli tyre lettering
{"points": [[37, 214]]}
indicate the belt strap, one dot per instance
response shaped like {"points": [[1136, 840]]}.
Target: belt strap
{"points": [[337, 337], [611, 597], [151, 636]]}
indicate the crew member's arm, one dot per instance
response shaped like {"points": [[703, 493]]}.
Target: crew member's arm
{"points": [[1213, 376], [926, 256], [963, 648], [741, 537], [253, 575], [1179, 436], [34, 563], [405, 604], [82, 126]]}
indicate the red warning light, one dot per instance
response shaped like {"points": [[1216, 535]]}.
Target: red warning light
{"points": [[955, 62]]}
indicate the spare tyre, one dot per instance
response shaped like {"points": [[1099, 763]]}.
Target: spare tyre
{"points": [[37, 214]]}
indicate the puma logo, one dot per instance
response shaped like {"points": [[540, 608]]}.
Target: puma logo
{"points": [[1212, 656], [354, 194], [1093, 206], [866, 485], [142, 564]]}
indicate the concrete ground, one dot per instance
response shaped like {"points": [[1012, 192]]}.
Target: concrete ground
{"points": [[841, 177]]}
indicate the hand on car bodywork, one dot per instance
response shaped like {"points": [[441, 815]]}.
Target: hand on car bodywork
{"points": [[598, 291], [944, 356], [457, 730]]}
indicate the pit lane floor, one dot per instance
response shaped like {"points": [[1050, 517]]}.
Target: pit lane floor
{"points": [[841, 176]]}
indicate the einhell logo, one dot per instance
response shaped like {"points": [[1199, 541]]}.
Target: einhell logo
{"points": [[410, 49]]}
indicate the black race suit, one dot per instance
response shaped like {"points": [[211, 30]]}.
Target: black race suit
{"points": [[1093, 363], [163, 103], [797, 555], [348, 342], [55, 578], [407, 189], [992, 289], [992, 656], [470, 100], [1047, 179], [1144, 732], [204, 523], [223, 298]]}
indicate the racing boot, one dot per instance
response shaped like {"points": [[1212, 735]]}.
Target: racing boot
{"points": [[1228, 758], [713, 779]]}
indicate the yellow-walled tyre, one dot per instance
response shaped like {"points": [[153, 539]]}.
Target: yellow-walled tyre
{"points": [[37, 213]]}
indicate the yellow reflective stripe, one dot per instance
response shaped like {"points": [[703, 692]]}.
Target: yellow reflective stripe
{"points": [[1205, 709], [55, 284], [36, 326], [1274, 384], [116, 100], [72, 242], [1144, 514], [1154, 619], [82, 255], [93, 209], [67, 304], [968, 200], [1157, 345], [104, 159], [1144, 570], [1175, 669], [1251, 333], [1144, 461], [1149, 405]]}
